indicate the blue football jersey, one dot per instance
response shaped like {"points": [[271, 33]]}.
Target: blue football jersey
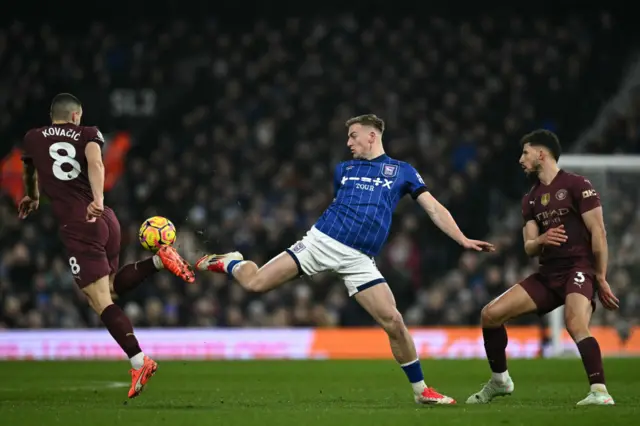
{"points": [[366, 195]]}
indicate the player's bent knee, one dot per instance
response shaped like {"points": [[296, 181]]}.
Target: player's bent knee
{"points": [[392, 322], [492, 315], [509, 305]]}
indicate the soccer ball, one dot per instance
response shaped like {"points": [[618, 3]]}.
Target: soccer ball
{"points": [[155, 232]]}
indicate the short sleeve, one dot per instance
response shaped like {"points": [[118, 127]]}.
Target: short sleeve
{"points": [[584, 195], [414, 182], [527, 210], [93, 134], [337, 176]]}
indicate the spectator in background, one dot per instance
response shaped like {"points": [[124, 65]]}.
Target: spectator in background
{"points": [[456, 94]]}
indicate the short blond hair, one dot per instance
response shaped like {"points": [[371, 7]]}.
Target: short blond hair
{"points": [[367, 120]]}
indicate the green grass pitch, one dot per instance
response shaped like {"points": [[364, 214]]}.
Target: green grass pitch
{"points": [[301, 393]]}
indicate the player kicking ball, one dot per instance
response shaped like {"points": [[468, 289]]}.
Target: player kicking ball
{"points": [[349, 234], [65, 158], [564, 227]]}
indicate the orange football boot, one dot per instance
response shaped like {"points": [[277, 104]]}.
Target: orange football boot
{"points": [[140, 377], [431, 396], [175, 264]]}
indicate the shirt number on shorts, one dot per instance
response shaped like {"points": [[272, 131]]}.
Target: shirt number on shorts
{"points": [[579, 279], [75, 268], [69, 159]]}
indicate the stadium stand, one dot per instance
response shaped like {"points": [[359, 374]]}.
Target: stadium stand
{"points": [[235, 131]]}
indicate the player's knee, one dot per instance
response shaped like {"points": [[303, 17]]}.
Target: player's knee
{"points": [[492, 315], [577, 327], [100, 304], [577, 314], [98, 295], [392, 322]]}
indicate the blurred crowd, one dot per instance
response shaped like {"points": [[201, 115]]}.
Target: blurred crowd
{"points": [[242, 156]]}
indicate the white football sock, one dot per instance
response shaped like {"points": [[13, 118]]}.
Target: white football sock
{"points": [[500, 378], [599, 387], [157, 262], [418, 387], [137, 361]]}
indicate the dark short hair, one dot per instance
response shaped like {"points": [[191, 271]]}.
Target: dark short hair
{"points": [[63, 104], [367, 120], [544, 138]]}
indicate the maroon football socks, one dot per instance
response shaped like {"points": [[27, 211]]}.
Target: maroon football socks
{"points": [[120, 329], [495, 344], [132, 275], [592, 360]]}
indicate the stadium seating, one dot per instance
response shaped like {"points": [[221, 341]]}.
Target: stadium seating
{"points": [[237, 132]]}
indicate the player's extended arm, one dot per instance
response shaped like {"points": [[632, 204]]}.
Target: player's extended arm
{"points": [[441, 217], [594, 221], [30, 179], [95, 171], [530, 234]]}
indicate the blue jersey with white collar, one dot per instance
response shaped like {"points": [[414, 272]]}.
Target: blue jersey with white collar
{"points": [[366, 195]]}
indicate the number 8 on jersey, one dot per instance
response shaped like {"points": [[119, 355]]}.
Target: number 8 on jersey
{"points": [[61, 160]]}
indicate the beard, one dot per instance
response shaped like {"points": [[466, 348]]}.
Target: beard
{"points": [[532, 174]]}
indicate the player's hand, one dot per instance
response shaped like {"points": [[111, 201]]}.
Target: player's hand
{"points": [[606, 296], [478, 245], [26, 206], [94, 210], [553, 237]]}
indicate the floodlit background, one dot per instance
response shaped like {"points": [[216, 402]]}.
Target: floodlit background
{"points": [[230, 125]]}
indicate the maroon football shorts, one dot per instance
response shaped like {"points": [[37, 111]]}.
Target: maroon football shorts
{"points": [[549, 291], [93, 249]]}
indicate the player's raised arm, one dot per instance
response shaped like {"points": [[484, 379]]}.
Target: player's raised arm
{"points": [[95, 171], [438, 213], [442, 218]]}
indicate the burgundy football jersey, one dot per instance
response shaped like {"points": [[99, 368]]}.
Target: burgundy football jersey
{"points": [[563, 202], [58, 154]]}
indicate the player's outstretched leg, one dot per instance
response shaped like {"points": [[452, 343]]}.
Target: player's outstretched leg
{"points": [[274, 273], [132, 275], [381, 305], [121, 330], [511, 304], [577, 313]]}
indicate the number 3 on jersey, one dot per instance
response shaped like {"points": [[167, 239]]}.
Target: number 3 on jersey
{"points": [[69, 159]]}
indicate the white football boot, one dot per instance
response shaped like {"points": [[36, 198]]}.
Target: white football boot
{"points": [[597, 398], [491, 390]]}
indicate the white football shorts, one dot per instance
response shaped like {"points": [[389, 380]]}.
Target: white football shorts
{"points": [[317, 252]]}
